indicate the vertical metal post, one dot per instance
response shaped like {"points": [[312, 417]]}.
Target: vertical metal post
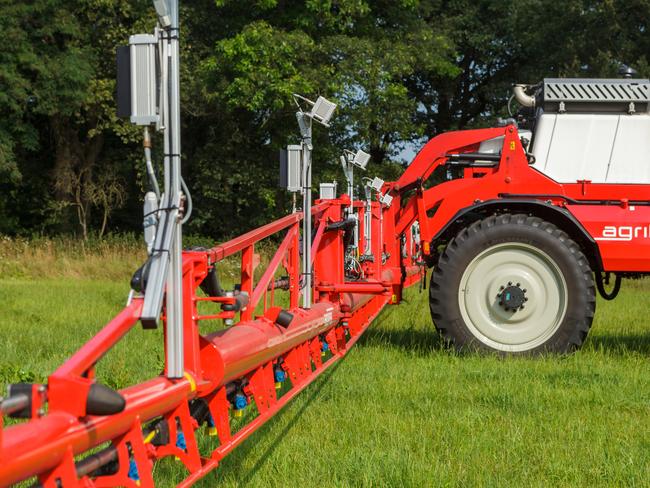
{"points": [[294, 277], [348, 169], [174, 345], [247, 273], [304, 122], [367, 220], [351, 189], [368, 227]]}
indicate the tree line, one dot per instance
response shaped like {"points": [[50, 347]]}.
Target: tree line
{"points": [[401, 71]]}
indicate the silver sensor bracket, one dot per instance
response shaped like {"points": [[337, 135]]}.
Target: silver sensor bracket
{"points": [[376, 183], [386, 200], [162, 9], [322, 110], [359, 159]]}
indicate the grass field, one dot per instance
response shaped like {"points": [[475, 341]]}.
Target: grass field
{"points": [[399, 410]]}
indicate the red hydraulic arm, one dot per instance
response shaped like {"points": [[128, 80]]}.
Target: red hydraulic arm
{"points": [[612, 215]]}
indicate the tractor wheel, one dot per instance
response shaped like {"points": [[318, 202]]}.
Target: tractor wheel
{"points": [[513, 284]]}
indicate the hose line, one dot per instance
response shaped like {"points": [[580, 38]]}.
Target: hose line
{"points": [[600, 284]]}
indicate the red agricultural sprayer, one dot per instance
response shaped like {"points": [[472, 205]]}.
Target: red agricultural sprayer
{"points": [[520, 227]]}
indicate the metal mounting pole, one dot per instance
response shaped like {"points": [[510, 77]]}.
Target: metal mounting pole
{"points": [[367, 220], [174, 338], [164, 279], [349, 173], [348, 170], [304, 122]]}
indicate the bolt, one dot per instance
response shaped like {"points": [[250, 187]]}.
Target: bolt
{"points": [[525, 299], [521, 308], [41, 412], [509, 283], [524, 290], [41, 389], [518, 284]]}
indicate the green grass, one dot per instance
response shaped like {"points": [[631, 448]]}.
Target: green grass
{"points": [[399, 410]]}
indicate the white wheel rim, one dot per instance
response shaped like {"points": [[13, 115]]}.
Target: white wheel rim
{"points": [[518, 264]]}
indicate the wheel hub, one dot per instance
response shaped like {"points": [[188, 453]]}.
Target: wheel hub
{"points": [[512, 297], [495, 297]]}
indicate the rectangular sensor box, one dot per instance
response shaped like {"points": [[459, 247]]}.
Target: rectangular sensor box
{"points": [[327, 191], [137, 80], [290, 167]]}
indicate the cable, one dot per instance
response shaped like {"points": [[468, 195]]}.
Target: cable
{"points": [[601, 286], [147, 159], [161, 209], [509, 108], [188, 213]]}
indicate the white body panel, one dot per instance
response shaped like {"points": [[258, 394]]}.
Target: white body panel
{"points": [[601, 148]]}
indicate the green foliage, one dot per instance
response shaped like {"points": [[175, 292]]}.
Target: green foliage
{"points": [[56, 95], [401, 71], [259, 69]]}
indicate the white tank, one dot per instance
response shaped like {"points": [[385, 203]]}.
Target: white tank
{"points": [[596, 130], [602, 148]]}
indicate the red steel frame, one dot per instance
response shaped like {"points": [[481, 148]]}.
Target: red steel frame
{"points": [[49, 445], [247, 354]]}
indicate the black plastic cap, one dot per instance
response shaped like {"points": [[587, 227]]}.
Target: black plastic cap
{"points": [[284, 318], [21, 395], [103, 401], [139, 278]]}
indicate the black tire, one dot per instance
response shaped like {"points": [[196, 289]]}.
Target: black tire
{"points": [[539, 253]]}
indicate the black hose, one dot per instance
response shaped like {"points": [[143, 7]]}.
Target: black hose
{"points": [[90, 465], [211, 285], [600, 284], [16, 405]]}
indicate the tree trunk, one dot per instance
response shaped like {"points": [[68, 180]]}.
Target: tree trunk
{"points": [[75, 160]]}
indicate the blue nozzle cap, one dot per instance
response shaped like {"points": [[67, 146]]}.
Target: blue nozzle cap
{"points": [[240, 402], [180, 440], [280, 376], [133, 470]]}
